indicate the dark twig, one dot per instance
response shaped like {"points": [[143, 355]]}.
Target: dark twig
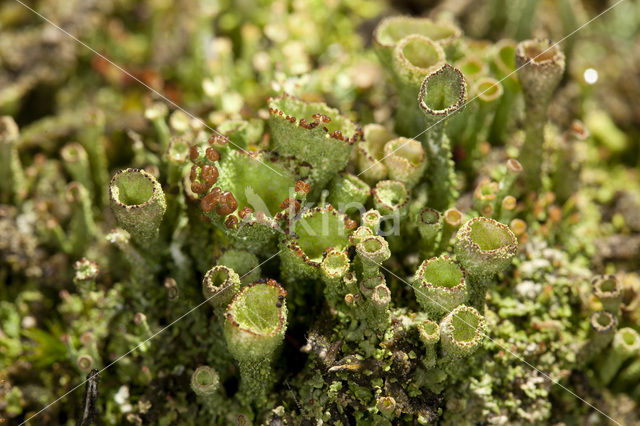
{"points": [[90, 398]]}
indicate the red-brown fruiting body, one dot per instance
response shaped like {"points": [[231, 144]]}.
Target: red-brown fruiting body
{"points": [[212, 154], [198, 188], [288, 202], [228, 204], [209, 174], [193, 153], [245, 211], [302, 186], [231, 221]]}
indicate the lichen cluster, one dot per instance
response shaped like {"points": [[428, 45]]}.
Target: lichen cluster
{"points": [[342, 212]]}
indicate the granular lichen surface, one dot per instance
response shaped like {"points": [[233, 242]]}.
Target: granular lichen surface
{"points": [[347, 212]]}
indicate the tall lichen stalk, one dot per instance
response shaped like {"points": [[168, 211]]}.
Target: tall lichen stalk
{"points": [[540, 66]]}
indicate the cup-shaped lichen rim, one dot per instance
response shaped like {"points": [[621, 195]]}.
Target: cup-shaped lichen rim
{"points": [[338, 127], [603, 321], [429, 331], [455, 101], [236, 301], [403, 55], [178, 150], [472, 67], [84, 362], [606, 286], [375, 136], [429, 217], [212, 384], [209, 280], [538, 53], [360, 234], [75, 192], [509, 203], [292, 241], [449, 329], [386, 404], [381, 295], [409, 152], [371, 217], [487, 89], [425, 283], [453, 217], [487, 190], [373, 248], [518, 226], [390, 186], [335, 264], [514, 166], [151, 192], [509, 244], [356, 183], [504, 59], [73, 152], [231, 126], [627, 340], [393, 29]]}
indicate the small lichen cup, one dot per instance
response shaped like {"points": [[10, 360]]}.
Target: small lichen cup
{"points": [[138, 203]]}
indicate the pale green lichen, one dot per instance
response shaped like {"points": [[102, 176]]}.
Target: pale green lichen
{"points": [[442, 94], [410, 300], [255, 323], [440, 286], [138, 203], [545, 67]]}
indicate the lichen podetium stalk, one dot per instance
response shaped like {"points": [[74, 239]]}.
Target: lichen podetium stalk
{"points": [[484, 247], [569, 161], [540, 67], [442, 94], [462, 332], [451, 221], [11, 174], [205, 382], [429, 224], [503, 66], [626, 343], [414, 57], [371, 252], [429, 335], [487, 93], [219, 286], [440, 286], [138, 203], [608, 289], [603, 328], [256, 320]]}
